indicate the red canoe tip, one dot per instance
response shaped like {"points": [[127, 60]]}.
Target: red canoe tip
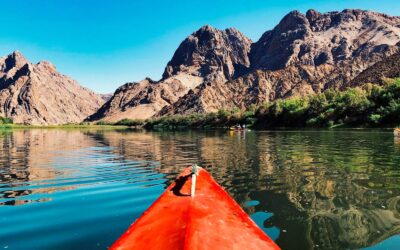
{"points": [[210, 220]]}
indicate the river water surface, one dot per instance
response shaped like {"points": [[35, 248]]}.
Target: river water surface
{"points": [[80, 189]]}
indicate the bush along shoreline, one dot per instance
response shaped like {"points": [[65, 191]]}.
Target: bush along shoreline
{"points": [[5, 120], [371, 105]]}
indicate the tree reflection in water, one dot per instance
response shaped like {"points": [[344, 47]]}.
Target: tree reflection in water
{"points": [[325, 189]]}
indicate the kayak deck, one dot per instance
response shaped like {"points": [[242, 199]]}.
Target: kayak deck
{"points": [[210, 220]]}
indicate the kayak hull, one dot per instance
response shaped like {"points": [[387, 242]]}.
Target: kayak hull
{"points": [[210, 220]]}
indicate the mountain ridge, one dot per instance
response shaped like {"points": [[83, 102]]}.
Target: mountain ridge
{"points": [[215, 69], [205, 56], [37, 94], [299, 57]]}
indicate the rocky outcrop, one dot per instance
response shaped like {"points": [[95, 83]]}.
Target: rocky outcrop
{"points": [[215, 55], [377, 73], [222, 69], [140, 100], [303, 54], [208, 55], [38, 94], [315, 39]]}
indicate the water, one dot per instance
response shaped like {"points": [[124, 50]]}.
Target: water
{"points": [[80, 189]]}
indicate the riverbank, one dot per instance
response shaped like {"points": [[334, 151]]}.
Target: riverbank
{"points": [[65, 126], [368, 106]]}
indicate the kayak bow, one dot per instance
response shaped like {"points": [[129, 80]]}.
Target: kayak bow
{"points": [[209, 220]]}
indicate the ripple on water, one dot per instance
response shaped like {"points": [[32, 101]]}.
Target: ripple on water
{"points": [[73, 189]]}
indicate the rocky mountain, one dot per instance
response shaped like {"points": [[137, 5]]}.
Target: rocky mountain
{"points": [[38, 94], [303, 54], [212, 54], [387, 68], [140, 100], [206, 56], [222, 69]]}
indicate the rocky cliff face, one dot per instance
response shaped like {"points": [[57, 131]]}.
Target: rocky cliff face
{"points": [[222, 69], [219, 69], [208, 55], [38, 94], [303, 54], [315, 39], [140, 100], [214, 55], [387, 68]]}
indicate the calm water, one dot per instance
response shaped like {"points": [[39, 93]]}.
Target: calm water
{"points": [[80, 189]]}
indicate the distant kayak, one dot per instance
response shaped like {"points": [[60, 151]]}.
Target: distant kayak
{"points": [[200, 216]]}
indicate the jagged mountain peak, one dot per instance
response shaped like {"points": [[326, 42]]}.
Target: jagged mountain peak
{"points": [[207, 55], [38, 94], [323, 38], [17, 55], [312, 15], [292, 21], [206, 28], [222, 69], [210, 53], [304, 54], [13, 60]]}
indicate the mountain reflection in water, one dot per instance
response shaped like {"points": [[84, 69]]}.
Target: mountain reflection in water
{"points": [[307, 189]]}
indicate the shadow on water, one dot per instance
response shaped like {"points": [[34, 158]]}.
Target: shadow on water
{"points": [[306, 189]]}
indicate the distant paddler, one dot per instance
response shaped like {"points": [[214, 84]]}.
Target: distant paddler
{"points": [[238, 127], [396, 132]]}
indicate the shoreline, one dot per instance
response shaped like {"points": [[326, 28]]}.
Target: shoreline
{"points": [[69, 126], [180, 129], [369, 106]]}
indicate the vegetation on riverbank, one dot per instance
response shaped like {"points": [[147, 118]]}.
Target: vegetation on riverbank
{"points": [[64, 126], [222, 118], [123, 122], [368, 106], [5, 120], [371, 105]]}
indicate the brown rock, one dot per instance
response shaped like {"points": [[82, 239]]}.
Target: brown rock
{"points": [[387, 68], [303, 54], [208, 55], [140, 100], [38, 94]]}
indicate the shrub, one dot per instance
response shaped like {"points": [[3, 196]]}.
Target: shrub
{"points": [[375, 119], [104, 123], [130, 122], [5, 120], [372, 104]]}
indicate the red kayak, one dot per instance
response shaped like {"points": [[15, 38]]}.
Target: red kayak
{"points": [[198, 216]]}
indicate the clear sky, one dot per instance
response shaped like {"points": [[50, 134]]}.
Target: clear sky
{"points": [[105, 43]]}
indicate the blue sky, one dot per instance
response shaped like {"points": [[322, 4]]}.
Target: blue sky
{"points": [[105, 43]]}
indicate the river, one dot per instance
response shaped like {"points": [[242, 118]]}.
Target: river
{"points": [[312, 189]]}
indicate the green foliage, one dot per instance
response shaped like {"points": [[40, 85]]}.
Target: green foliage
{"points": [[284, 112], [375, 119], [371, 105], [102, 123], [130, 122], [221, 118], [5, 120]]}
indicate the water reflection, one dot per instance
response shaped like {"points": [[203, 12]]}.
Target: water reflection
{"points": [[26, 159], [307, 189]]}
